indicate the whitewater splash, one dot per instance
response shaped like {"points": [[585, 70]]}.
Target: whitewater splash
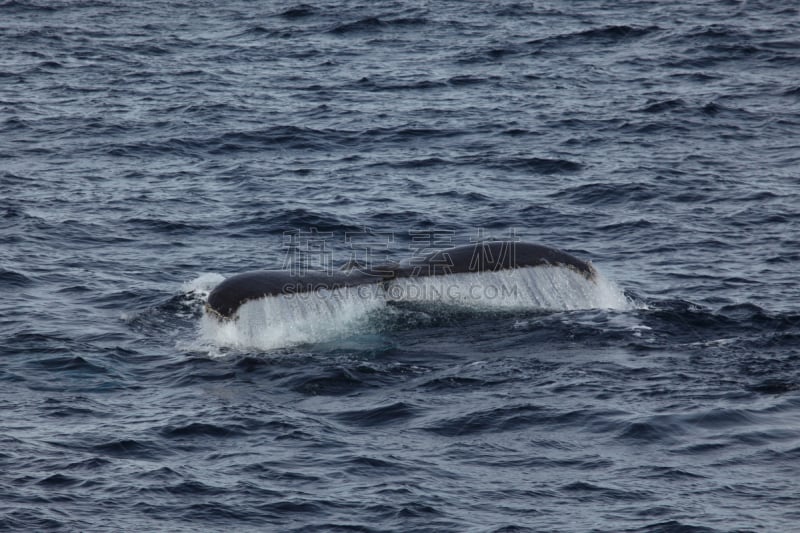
{"points": [[305, 318], [547, 288], [291, 319]]}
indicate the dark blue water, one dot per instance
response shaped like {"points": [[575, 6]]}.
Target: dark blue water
{"points": [[147, 149]]}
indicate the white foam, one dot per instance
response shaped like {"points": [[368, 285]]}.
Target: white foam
{"points": [[546, 288], [291, 319], [203, 284]]}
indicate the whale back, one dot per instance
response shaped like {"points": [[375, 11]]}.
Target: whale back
{"points": [[229, 295], [492, 256]]}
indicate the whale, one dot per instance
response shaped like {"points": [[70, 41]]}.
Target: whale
{"points": [[228, 296]]}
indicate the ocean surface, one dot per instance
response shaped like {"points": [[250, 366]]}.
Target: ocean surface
{"points": [[150, 149]]}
